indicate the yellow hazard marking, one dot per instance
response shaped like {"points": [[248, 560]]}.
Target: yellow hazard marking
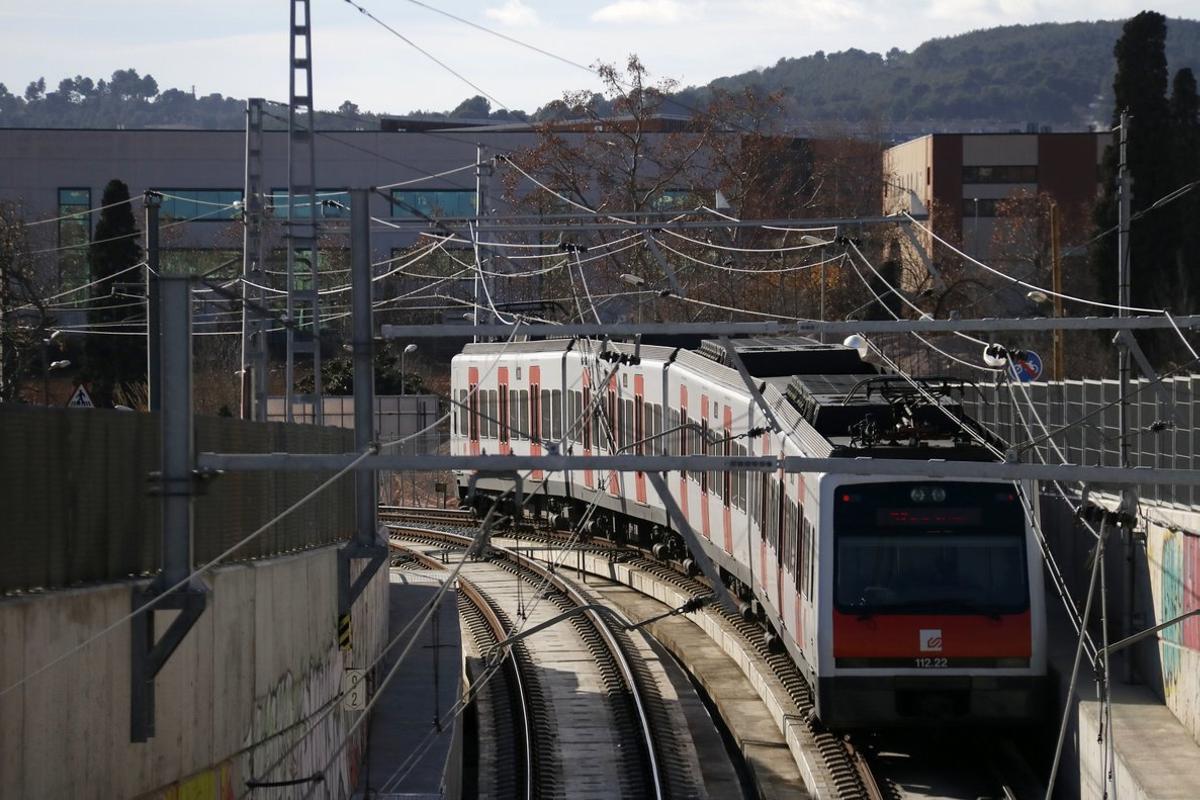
{"points": [[344, 632]]}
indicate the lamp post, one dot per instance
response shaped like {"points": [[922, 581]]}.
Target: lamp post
{"points": [[47, 366], [638, 281], [408, 348], [813, 240]]}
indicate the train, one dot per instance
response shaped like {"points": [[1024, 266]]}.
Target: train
{"points": [[904, 602]]}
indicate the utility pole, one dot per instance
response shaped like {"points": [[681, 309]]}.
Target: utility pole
{"points": [[254, 334], [482, 172], [366, 543], [1059, 371], [301, 229], [153, 200], [1124, 200], [1128, 495]]}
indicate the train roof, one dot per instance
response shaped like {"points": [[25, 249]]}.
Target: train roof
{"points": [[835, 403], [770, 357]]}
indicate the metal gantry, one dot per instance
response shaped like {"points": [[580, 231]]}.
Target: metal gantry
{"points": [[300, 226], [254, 324]]}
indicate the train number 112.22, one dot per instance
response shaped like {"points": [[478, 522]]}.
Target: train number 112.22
{"points": [[930, 663]]}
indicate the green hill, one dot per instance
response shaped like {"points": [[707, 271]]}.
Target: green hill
{"points": [[998, 78], [1048, 74]]}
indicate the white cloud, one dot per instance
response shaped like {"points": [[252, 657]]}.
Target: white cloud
{"points": [[513, 13], [653, 11]]}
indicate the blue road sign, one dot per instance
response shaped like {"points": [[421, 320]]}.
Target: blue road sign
{"points": [[1027, 368]]}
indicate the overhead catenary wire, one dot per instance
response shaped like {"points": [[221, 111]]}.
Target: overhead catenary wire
{"points": [[1026, 284], [424, 52]]}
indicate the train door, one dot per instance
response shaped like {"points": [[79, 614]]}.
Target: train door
{"points": [[502, 411], [535, 416], [639, 432], [586, 422], [614, 431], [727, 482], [473, 407], [764, 516], [780, 532], [685, 433], [704, 474], [799, 560]]}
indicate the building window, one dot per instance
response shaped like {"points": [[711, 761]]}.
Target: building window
{"points": [[1002, 174], [435, 203], [672, 199], [982, 207], [333, 204], [203, 205], [74, 231]]}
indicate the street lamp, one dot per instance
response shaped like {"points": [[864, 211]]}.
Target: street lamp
{"points": [[47, 366], [408, 348], [813, 240], [639, 281]]}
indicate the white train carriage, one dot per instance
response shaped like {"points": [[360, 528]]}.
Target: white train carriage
{"points": [[902, 601]]}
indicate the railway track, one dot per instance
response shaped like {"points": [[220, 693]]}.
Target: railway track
{"points": [[566, 690], [423, 516], [864, 766]]}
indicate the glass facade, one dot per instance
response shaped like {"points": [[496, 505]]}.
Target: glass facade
{"points": [[204, 204], [434, 203], [672, 199], [278, 203], [1011, 173], [72, 232]]}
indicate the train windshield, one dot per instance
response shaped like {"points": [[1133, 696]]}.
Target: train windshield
{"points": [[929, 548]]}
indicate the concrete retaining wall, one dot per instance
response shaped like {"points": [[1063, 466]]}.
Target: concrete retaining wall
{"points": [[1173, 555], [262, 658]]}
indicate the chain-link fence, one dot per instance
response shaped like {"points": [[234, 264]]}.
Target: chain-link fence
{"points": [[78, 504], [1082, 419]]}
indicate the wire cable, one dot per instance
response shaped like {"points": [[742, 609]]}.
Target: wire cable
{"points": [[424, 52]]}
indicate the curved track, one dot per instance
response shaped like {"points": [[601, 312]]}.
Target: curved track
{"points": [[579, 683], [866, 765]]}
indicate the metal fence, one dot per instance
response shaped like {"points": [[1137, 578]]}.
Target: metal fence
{"points": [[76, 504], [1164, 424], [410, 419]]}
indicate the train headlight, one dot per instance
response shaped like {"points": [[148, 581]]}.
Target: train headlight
{"points": [[927, 494]]}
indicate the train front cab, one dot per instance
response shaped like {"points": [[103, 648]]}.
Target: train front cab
{"points": [[932, 605]]}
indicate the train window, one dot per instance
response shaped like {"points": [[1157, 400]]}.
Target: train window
{"points": [[523, 426], [463, 411], [502, 413], [514, 415], [629, 425], [586, 421], [545, 430], [535, 429], [702, 448], [556, 414], [493, 427], [656, 428], [802, 557], [594, 411], [639, 426], [810, 554], [473, 404], [727, 478]]}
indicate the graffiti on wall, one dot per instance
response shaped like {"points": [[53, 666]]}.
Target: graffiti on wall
{"points": [[1180, 593]]}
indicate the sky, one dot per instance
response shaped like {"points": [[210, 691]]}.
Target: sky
{"points": [[239, 47]]}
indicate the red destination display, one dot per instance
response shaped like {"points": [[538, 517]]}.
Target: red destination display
{"points": [[927, 517]]}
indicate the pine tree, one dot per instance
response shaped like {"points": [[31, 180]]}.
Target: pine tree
{"points": [[112, 361], [1185, 135], [1140, 86]]}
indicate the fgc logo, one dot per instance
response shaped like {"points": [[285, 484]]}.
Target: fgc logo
{"points": [[931, 640]]}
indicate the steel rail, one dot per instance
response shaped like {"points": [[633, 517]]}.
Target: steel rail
{"points": [[478, 600], [620, 658]]}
